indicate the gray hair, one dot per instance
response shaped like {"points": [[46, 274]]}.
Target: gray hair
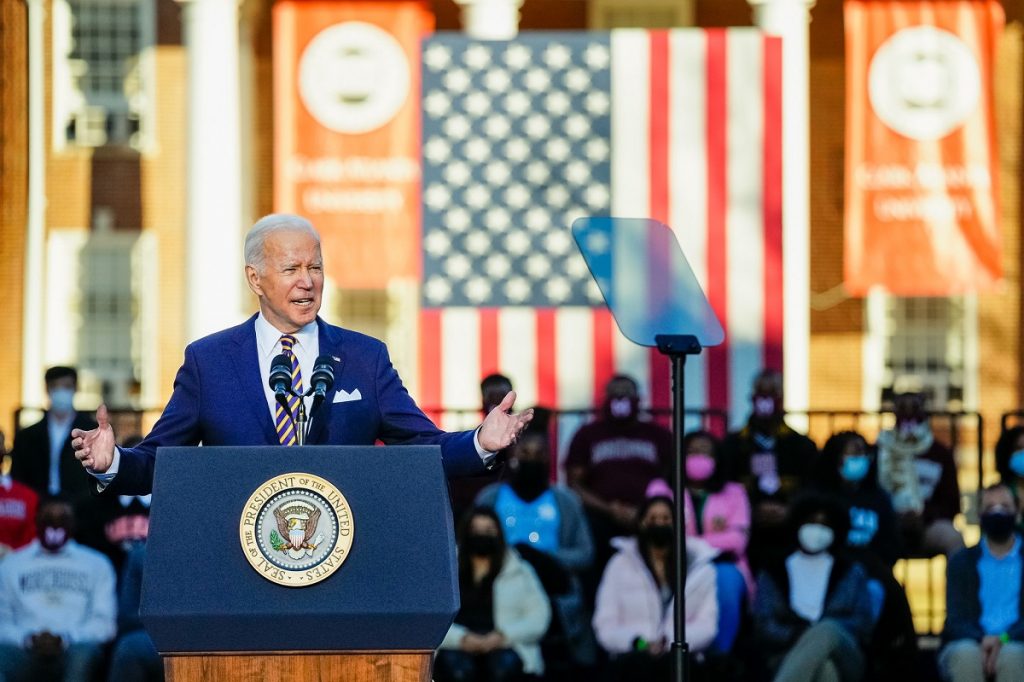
{"points": [[267, 225]]}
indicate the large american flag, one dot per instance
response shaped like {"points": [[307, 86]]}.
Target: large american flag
{"points": [[522, 137]]}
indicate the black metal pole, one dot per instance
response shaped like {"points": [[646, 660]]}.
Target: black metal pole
{"points": [[677, 348]]}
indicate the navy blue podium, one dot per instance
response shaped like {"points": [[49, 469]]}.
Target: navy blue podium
{"points": [[378, 616]]}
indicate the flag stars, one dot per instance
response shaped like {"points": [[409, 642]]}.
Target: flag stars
{"points": [[557, 56], [437, 197], [557, 289], [497, 173], [497, 127], [517, 150], [557, 242], [597, 242], [575, 266], [478, 290], [437, 243], [517, 289], [437, 289], [437, 104], [597, 197], [478, 242], [597, 103], [497, 266], [557, 196], [477, 57], [477, 197], [577, 80], [518, 57], [497, 80], [457, 127], [437, 57], [594, 292], [437, 150], [497, 219], [477, 103], [457, 173], [517, 103], [457, 266], [537, 266], [517, 243], [457, 219], [557, 103], [537, 219], [577, 126], [457, 80], [577, 172], [596, 150], [517, 196], [537, 172], [596, 56], [537, 80], [537, 127], [558, 149], [477, 149]]}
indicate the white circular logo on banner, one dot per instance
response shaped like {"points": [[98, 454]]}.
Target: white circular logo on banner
{"points": [[924, 82], [353, 77]]}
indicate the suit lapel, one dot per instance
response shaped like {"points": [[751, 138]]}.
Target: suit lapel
{"points": [[330, 345], [247, 366]]}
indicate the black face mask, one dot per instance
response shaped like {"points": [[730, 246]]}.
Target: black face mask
{"points": [[530, 479], [482, 545], [658, 536], [998, 525]]}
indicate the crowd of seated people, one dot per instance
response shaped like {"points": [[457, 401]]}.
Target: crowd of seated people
{"points": [[789, 559]]}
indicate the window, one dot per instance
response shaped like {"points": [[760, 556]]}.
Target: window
{"points": [[926, 344], [103, 71]]}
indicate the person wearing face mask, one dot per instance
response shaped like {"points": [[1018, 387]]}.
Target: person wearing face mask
{"points": [[43, 458], [633, 614], [546, 524], [18, 505], [847, 473], [984, 633], [610, 463], [503, 613], [773, 461], [810, 615], [57, 603], [919, 473], [1010, 462]]}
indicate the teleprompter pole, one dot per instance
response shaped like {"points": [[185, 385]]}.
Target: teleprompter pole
{"points": [[677, 347]]}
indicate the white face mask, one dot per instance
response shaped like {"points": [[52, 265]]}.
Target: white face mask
{"points": [[62, 400], [814, 537]]}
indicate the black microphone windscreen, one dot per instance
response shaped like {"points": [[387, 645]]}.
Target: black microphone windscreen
{"points": [[280, 373]]}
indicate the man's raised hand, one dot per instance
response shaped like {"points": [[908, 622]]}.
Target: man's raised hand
{"points": [[95, 448], [501, 428]]}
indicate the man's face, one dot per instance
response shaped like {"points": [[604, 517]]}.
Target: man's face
{"points": [[291, 282], [999, 498]]}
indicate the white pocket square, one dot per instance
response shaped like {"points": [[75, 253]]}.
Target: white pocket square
{"points": [[343, 396]]}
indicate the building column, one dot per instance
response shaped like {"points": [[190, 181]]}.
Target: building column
{"points": [[490, 19], [790, 19], [213, 169]]}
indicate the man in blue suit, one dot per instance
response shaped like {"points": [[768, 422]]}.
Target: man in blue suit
{"points": [[222, 395]]}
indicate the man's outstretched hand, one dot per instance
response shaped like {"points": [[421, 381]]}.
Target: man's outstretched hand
{"points": [[95, 448], [501, 428]]}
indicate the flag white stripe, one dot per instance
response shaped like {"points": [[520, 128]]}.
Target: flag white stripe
{"points": [[745, 215], [518, 355], [688, 173], [460, 362], [574, 356]]}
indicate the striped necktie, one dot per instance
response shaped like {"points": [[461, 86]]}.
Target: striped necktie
{"points": [[285, 420]]}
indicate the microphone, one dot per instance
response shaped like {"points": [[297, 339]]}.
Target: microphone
{"points": [[322, 378], [281, 378]]}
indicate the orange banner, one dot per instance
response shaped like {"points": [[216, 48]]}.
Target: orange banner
{"points": [[922, 216], [347, 131]]}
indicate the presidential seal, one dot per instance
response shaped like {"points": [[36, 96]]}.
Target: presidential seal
{"points": [[296, 529]]}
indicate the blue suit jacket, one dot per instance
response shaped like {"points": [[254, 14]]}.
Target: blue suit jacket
{"points": [[218, 399]]}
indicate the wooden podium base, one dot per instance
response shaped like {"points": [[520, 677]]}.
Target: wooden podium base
{"points": [[285, 666]]}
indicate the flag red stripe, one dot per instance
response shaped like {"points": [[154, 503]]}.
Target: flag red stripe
{"points": [[659, 183], [490, 342], [547, 352], [773, 285], [430, 361], [717, 179], [604, 351]]}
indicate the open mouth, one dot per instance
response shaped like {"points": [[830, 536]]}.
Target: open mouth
{"points": [[303, 302]]}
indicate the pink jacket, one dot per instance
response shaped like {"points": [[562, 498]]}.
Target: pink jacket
{"points": [[729, 510], [629, 605]]}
